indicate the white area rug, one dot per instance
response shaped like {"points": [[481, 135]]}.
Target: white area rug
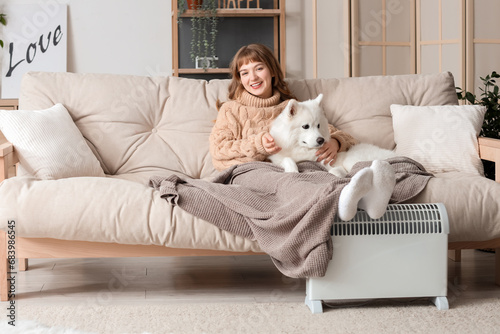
{"points": [[33, 327], [464, 316]]}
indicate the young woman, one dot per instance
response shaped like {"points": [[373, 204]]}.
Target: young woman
{"points": [[257, 95]]}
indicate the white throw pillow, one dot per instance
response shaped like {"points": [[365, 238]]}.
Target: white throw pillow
{"points": [[48, 143], [441, 138]]}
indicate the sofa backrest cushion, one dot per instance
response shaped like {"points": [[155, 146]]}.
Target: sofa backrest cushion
{"points": [[159, 125], [361, 105], [135, 124]]}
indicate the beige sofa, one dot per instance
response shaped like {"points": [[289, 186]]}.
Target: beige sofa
{"points": [[138, 127]]}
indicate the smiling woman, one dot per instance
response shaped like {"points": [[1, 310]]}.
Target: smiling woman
{"points": [[258, 93]]}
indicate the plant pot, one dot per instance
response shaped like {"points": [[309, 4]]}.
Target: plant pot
{"points": [[206, 62], [194, 4]]}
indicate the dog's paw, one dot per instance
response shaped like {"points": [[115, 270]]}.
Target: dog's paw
{"points": [[338, 171], [289, 165], [290, 169]]}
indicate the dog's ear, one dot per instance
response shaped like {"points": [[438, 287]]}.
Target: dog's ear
{"points": [[291, 108], [318, 98]]}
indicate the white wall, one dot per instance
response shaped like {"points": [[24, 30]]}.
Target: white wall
{"points": [[134, 36], [120, 36], [116, 36]]}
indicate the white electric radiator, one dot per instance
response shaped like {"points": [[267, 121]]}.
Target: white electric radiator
{"points": [[403, 254]]}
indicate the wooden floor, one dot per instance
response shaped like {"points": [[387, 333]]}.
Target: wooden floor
{"points": [[245, 279]]}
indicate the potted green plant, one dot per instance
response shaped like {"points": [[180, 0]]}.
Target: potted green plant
{"points": [[204, 22], [490, 99], [3, 22]]}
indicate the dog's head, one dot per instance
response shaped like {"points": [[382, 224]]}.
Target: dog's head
{"points": [[307, 122]]}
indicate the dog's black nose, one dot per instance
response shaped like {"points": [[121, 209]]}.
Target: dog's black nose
{"points": [[320, 140]]}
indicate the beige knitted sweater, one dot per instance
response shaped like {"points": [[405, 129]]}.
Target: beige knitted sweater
{"points": [[237, 134]]}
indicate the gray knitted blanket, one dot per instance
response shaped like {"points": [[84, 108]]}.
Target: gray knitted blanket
{"points": [[289, 214]]}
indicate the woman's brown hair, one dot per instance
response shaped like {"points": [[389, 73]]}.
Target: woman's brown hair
{"points": [[257, 53]]}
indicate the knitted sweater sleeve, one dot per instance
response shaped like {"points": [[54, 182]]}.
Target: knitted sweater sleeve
{"points": [[227, 144], [345, 140]]}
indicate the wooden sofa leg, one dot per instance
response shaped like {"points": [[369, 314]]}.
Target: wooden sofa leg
{"points": [[4, 294], [497, 266], [23, 264], [455, 255]]}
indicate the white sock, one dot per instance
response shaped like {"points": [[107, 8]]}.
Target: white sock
{"points": [[376, 200], [360, 184]]}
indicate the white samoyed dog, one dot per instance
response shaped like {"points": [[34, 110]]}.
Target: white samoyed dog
{"points": [[302, 128]]}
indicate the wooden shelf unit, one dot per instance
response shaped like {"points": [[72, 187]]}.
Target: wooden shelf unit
{"points": [[240, 13], [279, 34]]}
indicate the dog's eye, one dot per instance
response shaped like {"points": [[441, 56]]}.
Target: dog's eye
{"points": [[318, 126], [305, 126]]}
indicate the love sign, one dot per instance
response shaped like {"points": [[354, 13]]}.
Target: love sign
{"points": [[35, 39]]}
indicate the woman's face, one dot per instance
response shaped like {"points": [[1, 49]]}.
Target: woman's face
{"points": [[256, 79]]}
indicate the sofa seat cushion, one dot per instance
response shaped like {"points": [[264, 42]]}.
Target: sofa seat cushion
{"points": [[114, 209], [471, 202], [104, 209], [143, 177]]}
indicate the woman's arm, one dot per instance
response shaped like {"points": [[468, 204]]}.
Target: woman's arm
{"points": [[345, 140], [339, 142]]}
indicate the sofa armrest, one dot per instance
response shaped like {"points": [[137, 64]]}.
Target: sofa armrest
{"points": [[8, 158], [489, 149]]}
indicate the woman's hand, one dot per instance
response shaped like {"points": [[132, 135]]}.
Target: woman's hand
{"points": [[328, 152], [269, 144]]}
